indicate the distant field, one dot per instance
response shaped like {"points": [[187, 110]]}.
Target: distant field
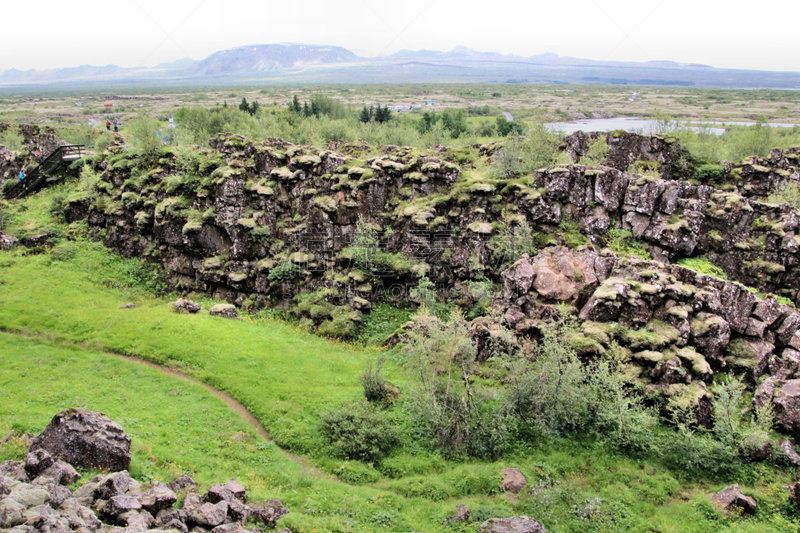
{"points": [[527, 101]]}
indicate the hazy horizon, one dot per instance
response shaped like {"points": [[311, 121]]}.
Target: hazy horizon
{"points": [[144, 33]]}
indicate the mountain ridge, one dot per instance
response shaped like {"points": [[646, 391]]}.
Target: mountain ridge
{"points": [[310, 63]]}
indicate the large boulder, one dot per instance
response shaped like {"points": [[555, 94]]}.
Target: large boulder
{"points": [[513, 480], [158, 498], [224, 311], [515, 524], [7, 242], [86, 439], [182, 305], [731, 498]]}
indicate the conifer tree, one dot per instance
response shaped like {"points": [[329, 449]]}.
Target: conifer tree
{"points": [[365, 116]]}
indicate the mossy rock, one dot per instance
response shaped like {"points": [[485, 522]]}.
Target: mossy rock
{"points": [[356, 171], [704, 322], [306, 161], [247, 223], [236, 277], [584, 345], [301, 258], [115, 209], [649, 356], [142, 218], [192, 226], [654, 336], [482, 187], [212, 263], [359, 276], [599, 331], [326, 203], [679, 311], [416, 177], [481, 228], [282, 174], [610, 289], [431, 166], [265, 264], [697, 362]]}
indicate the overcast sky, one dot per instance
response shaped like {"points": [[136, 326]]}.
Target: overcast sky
{"points": [[730, 33]]}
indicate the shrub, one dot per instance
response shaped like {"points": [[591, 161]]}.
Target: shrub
{"points": [[143, 134], [424, 293], [376, 389], [597, 153], [12, 138], [284, 271], [551, 396], [621, 242], [702, 266], [744, 435], [358, 431], [710, 174], [789, 194], [511, 242]]}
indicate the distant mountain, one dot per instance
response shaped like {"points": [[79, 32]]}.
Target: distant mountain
{"points": [[304, 63], [249, 60]]}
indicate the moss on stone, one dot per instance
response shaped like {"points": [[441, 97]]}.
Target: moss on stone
{"points": [[481, 228], [236, 277], [697, 362], [326, 203]]}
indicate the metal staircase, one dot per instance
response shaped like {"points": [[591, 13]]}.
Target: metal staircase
{"points": [[44, 174]]}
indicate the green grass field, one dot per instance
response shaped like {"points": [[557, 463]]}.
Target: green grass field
{"points": [[59, 310]]}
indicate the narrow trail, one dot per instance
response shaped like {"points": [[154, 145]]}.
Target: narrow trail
{"points": [[229, 400]]}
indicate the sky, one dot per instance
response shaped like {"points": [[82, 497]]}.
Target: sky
{"points": [[727, 34]]}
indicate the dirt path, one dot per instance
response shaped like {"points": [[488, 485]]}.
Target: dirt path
{"points": [[234, 404]]}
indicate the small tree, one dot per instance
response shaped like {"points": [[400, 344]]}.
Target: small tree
{"points": [[144, 134], [441, 356], [366, 245], [366, 115], [244, 106], [306, 110], [508, 127], [383, 114]]}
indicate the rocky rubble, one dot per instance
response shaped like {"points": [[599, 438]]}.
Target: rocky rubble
{"points": [[35, 496]]}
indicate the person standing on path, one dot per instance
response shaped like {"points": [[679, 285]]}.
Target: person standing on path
{"points": [[22, 177]]}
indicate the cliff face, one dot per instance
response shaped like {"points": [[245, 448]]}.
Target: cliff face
{"points": [[278, 224], [244, 207]]}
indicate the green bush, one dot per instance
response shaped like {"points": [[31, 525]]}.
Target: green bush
{"points": [[702, 265], [621, 242], [284, 271], [12, 138], [710, 174], [358, 431], [511, 242], [789, 194], [143, 134]]}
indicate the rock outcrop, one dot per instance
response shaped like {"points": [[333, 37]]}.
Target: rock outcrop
{"points": [[677, 327], [86, 439]]}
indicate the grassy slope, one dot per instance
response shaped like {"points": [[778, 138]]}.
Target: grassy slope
{"points": [[71, 295]]}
